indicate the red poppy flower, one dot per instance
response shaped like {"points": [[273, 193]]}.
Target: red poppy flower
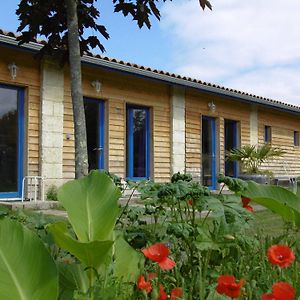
{"points": [[190, 202], [162, 294], [281, 255], [159, 253], [249, 208], [228, 286], [280, 291], [176, 293], [283, 291], [267, 297], [142, 284], [245, 201], [246, 205]]}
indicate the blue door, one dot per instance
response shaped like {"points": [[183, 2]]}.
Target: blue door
{"points": [[95, 122], [231, 142], [209, 177], [138, 143], [11, 141]]}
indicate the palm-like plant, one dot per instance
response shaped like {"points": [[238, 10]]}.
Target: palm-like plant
{"points": [[252, 157]]}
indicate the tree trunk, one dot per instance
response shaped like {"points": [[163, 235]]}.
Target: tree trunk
{"points": [[81, 156]]}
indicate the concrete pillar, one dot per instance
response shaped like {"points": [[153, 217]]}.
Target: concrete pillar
{"points": [[253, 126], [52, 122], [178, 130]]}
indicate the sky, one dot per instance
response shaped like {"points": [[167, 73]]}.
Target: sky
{"points": [[252, 46]]}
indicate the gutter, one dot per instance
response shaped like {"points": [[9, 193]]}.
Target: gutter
{"points": [[115, 66]]}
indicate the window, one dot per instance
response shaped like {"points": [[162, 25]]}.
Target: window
{"points": [[138, 143], [268, 134], [296, 138]]}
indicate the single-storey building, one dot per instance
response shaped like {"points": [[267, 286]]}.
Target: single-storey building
{"points": [[141, 122]]}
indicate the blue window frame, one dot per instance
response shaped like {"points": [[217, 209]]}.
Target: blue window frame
{"points": [[95, 130], [11, 141], [209, 176], [296, 138], [138, 143], [268, 135]]}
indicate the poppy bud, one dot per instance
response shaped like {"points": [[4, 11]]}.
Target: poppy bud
{"points": [[229, 237]]}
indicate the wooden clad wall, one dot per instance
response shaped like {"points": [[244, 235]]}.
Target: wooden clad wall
{"points": [[196, 107], [283, 126], [118, 90], [28, 77]]}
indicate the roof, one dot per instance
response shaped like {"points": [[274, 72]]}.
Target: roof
{"points": [[9, 38]]}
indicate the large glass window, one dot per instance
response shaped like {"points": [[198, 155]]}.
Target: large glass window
{"points": [[11, 141], [138, 142]]}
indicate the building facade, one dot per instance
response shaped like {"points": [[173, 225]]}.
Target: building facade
{"points": [[141, 123]]}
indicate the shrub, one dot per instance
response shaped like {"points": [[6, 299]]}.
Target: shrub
{"points": [[51, 194]]}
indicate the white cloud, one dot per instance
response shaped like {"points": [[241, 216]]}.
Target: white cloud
{"points": [[249, 45]]}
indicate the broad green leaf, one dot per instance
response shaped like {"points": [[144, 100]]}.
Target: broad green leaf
{"points": [[127, 261], [204, 240], [233, 205], [215, 205], [91, 204], [92, 254], [72, 277], [27, 270], [278, 199]]}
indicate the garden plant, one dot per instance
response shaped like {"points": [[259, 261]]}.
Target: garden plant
{"points": [[253, 157], [181, 241]]}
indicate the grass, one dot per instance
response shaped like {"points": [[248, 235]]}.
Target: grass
{"points": [[269, 224]]}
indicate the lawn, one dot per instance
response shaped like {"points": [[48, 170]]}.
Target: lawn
{"points": [[268, 223]]}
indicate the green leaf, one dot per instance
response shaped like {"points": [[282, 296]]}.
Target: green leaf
{"points": [[91, 204], [215, 205], [27, 270], [92, 254], [280, 200], [127, 261], [204, 240], [72, 277]]}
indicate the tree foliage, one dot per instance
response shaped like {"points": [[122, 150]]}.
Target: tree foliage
{"points": [[49, 19], [64, 24]]}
